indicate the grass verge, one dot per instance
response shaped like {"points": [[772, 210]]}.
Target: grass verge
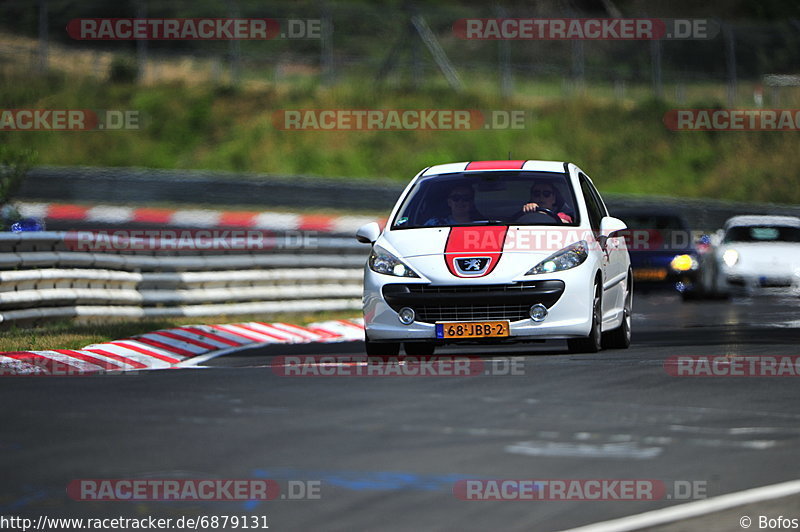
{"points": [[623, 144]]}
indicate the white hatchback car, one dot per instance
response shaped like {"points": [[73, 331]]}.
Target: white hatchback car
{"points": [[497, 251], [758, 252]]}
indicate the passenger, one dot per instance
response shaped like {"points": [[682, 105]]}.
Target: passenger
{"points": [[461, 202]]}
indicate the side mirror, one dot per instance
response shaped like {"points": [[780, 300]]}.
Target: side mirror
{"points": [[368, 233], [610, 225]]}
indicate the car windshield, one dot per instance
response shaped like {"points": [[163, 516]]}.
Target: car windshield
{"points": [[763, 233], [488, 198]]}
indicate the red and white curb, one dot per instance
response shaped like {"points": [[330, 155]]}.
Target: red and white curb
{"points": [[178, 347], [201, 218]]}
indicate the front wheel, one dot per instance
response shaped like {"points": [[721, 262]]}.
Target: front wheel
{"points": [[593, 342]]}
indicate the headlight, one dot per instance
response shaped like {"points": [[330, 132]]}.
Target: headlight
{"points": [[682, 263], [730, 257], [381, 261], [565, 259]]}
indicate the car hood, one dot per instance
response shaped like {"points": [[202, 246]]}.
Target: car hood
{"points": [[766, 254], [506, 251]]}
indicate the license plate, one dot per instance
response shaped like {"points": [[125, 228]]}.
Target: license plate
{"points": [[650, 274], [472, 329]]}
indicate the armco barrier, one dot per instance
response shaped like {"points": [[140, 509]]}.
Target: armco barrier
{"points": [[42, 278]]}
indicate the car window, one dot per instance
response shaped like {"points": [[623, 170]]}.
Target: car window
{"points": [[763, 233], [596, 212], [486, 198]]}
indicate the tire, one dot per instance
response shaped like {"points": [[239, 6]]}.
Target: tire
{"points": [[691, 295], [386, 349], [620, 338], [419, 349], [593, 342]]}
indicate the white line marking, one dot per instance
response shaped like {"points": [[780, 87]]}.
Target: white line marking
{"points": [[693, 509], [625, 450]]}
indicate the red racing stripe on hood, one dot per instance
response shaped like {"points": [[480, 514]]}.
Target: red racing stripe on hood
{"points": [[477, 242]]}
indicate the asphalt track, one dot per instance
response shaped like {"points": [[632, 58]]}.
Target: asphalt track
{"points": [[387, 450]]}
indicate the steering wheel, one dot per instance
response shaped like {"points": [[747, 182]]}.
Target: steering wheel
{"points": [[540, 210]]}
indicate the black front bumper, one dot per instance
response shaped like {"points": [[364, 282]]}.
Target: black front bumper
{"points": [[472, 302]]}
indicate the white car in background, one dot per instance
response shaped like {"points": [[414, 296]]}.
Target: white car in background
{"points": [[465, 259], [757, 253]]}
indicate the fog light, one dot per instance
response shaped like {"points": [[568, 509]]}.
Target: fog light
{"points": [[538, 312], [406, 315]]}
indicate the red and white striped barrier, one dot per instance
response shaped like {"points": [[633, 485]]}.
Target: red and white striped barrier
{"points": [[201, 218], [169, 348]]}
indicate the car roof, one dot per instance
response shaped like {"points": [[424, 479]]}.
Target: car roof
{"points": [[752, 219], [484, 166]]}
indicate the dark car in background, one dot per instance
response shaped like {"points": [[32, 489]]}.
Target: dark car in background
{"points": [[663, 251]]}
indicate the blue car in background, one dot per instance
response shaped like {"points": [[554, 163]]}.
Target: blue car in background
{"points": [[12, 220], [663, 251]]}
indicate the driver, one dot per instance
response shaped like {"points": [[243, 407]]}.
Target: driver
{"points": [[545, 196]]}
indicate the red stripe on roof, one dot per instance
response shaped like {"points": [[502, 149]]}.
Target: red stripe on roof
{"points": [[495, 165], [67, 212], [147, 352], [238, 219], [119, 358], [156, 216], [207, 334], [88, 358]]}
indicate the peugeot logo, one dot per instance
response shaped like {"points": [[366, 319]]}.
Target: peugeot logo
{"points": [[472, 265]]}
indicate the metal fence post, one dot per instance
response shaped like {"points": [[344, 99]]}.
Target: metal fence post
{"points": [[43, 37], [141, 45], [730, 60]]}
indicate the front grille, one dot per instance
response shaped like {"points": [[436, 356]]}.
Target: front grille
{"points": [[432, 313], [472, 302]]}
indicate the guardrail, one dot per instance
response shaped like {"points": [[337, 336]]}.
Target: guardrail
{"points": [[43, 276]]}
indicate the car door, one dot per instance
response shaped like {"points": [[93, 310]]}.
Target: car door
{"points": [[613, 261]]}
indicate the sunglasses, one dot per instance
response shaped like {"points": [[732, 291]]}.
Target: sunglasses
{"points": [[541, 193], [460, 197]]}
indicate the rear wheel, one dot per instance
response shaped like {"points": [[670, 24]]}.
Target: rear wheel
{"points": [[593, 342], [387, 349], [419, 349], [620, 338]]}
